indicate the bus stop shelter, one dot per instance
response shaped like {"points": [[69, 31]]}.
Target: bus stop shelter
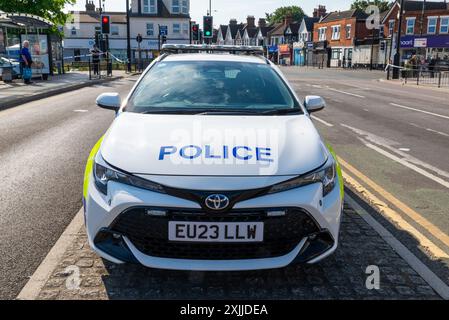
{"points": [[45, 45]]}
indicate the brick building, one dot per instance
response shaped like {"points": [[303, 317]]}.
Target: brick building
{"points": [[425, 30], [334, 37]]}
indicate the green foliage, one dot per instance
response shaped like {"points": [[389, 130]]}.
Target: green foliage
{"points": [[49, 9], [363, 4], [279, 15]]}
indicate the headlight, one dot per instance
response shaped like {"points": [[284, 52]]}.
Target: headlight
{"points": [[326, 175], [103, 175]]}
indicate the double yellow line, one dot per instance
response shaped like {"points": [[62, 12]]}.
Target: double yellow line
{"points": [[349, 175]]}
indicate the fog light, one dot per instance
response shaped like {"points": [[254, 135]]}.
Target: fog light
{"points": [[276, 213], [157, 213]]}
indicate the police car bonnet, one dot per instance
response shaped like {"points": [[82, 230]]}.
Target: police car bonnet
{"points": [[213, 145]]}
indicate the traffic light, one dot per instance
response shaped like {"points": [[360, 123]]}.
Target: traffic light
{"points": [[195, 32], [164, 39], [105, 24], [208, 26]]}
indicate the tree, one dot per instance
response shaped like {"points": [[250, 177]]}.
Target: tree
{"points": [[49, 9], [279, 15], [383, 5]]}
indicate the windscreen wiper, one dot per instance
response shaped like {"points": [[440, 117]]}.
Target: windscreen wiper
{"points": [[281, 111]]}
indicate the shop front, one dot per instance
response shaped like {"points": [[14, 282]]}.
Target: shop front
{"points": [[285, 55], [432, 46], [299, 53], [321, 55], [273, 53]]}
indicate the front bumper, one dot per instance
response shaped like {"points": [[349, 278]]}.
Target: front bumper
{"points": [[117, 231]]}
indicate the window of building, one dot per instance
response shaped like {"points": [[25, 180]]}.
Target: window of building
{"points": [[150, 29], [336, 54], [114, 30], [175, 8], [335, 32], [185, 28], [176, 28], [149, 6], [410, 26], [185, 6], [444, 25], [391, 27], [73, 31], [304, 36], [322, 34], [432, 25], [348, 31]]}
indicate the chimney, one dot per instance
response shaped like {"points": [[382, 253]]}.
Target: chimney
{"points": [[251, 22], [262, 23], [90, 6], [233, 22], [319, 12], [288, 19]]}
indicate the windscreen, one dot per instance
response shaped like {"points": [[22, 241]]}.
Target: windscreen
{"points": [[211, 85]]}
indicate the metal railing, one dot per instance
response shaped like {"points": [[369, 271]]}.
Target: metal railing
{"points": [[419, 77]]}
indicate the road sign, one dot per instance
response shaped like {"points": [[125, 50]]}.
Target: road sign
{"points": [[163, 30], [139, 38]]}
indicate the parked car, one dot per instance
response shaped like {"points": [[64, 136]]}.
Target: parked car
{"points": [[5, 62], [242, 203]]}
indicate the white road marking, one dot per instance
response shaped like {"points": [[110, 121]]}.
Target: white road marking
{"points": [[404, 149], [428, 275], [348, 93], [433, 177], [429, 130], [81, 110], [37, 281], [393, 146], [316, 86], [419, 110], [438, 132], [322, 121]]}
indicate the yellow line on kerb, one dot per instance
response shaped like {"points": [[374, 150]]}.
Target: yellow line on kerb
{"points": [[393, 215]]}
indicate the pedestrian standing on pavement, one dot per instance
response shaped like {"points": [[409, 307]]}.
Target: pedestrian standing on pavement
{"points": [[96, 59], [26, 62]]}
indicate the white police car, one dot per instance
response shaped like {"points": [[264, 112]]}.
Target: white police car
{"points": [[212, 163]]}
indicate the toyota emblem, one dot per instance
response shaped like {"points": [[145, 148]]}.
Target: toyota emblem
{"points": [[217, 202]]}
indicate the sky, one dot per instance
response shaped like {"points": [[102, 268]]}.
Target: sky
{"points": [[223, 10]]}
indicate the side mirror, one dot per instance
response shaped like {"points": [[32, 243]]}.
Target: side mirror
{"points": [[109, 100], [314, 103]]}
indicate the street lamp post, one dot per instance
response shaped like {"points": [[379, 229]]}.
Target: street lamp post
{"points": [[128, 38], [397, 55]]}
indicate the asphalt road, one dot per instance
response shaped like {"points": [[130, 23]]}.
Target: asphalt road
{"points": [[397, 136], [43, 149]]}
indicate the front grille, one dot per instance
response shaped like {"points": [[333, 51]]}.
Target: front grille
{"points": [[149, 234]]}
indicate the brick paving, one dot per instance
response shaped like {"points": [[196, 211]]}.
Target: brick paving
{"points": [[341, 276]]}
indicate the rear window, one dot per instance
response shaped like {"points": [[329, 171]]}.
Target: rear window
{"points": [[211, 85]]}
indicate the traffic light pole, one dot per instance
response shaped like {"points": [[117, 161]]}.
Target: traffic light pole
{"points": [[397, 56], [128, 38]]}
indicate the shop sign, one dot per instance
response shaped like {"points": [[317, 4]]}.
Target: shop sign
{"points": [[284, 49]]}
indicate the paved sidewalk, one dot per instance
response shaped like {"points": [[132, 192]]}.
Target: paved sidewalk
{"points": [[81, 274], [16, 93], [412, 84]]}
